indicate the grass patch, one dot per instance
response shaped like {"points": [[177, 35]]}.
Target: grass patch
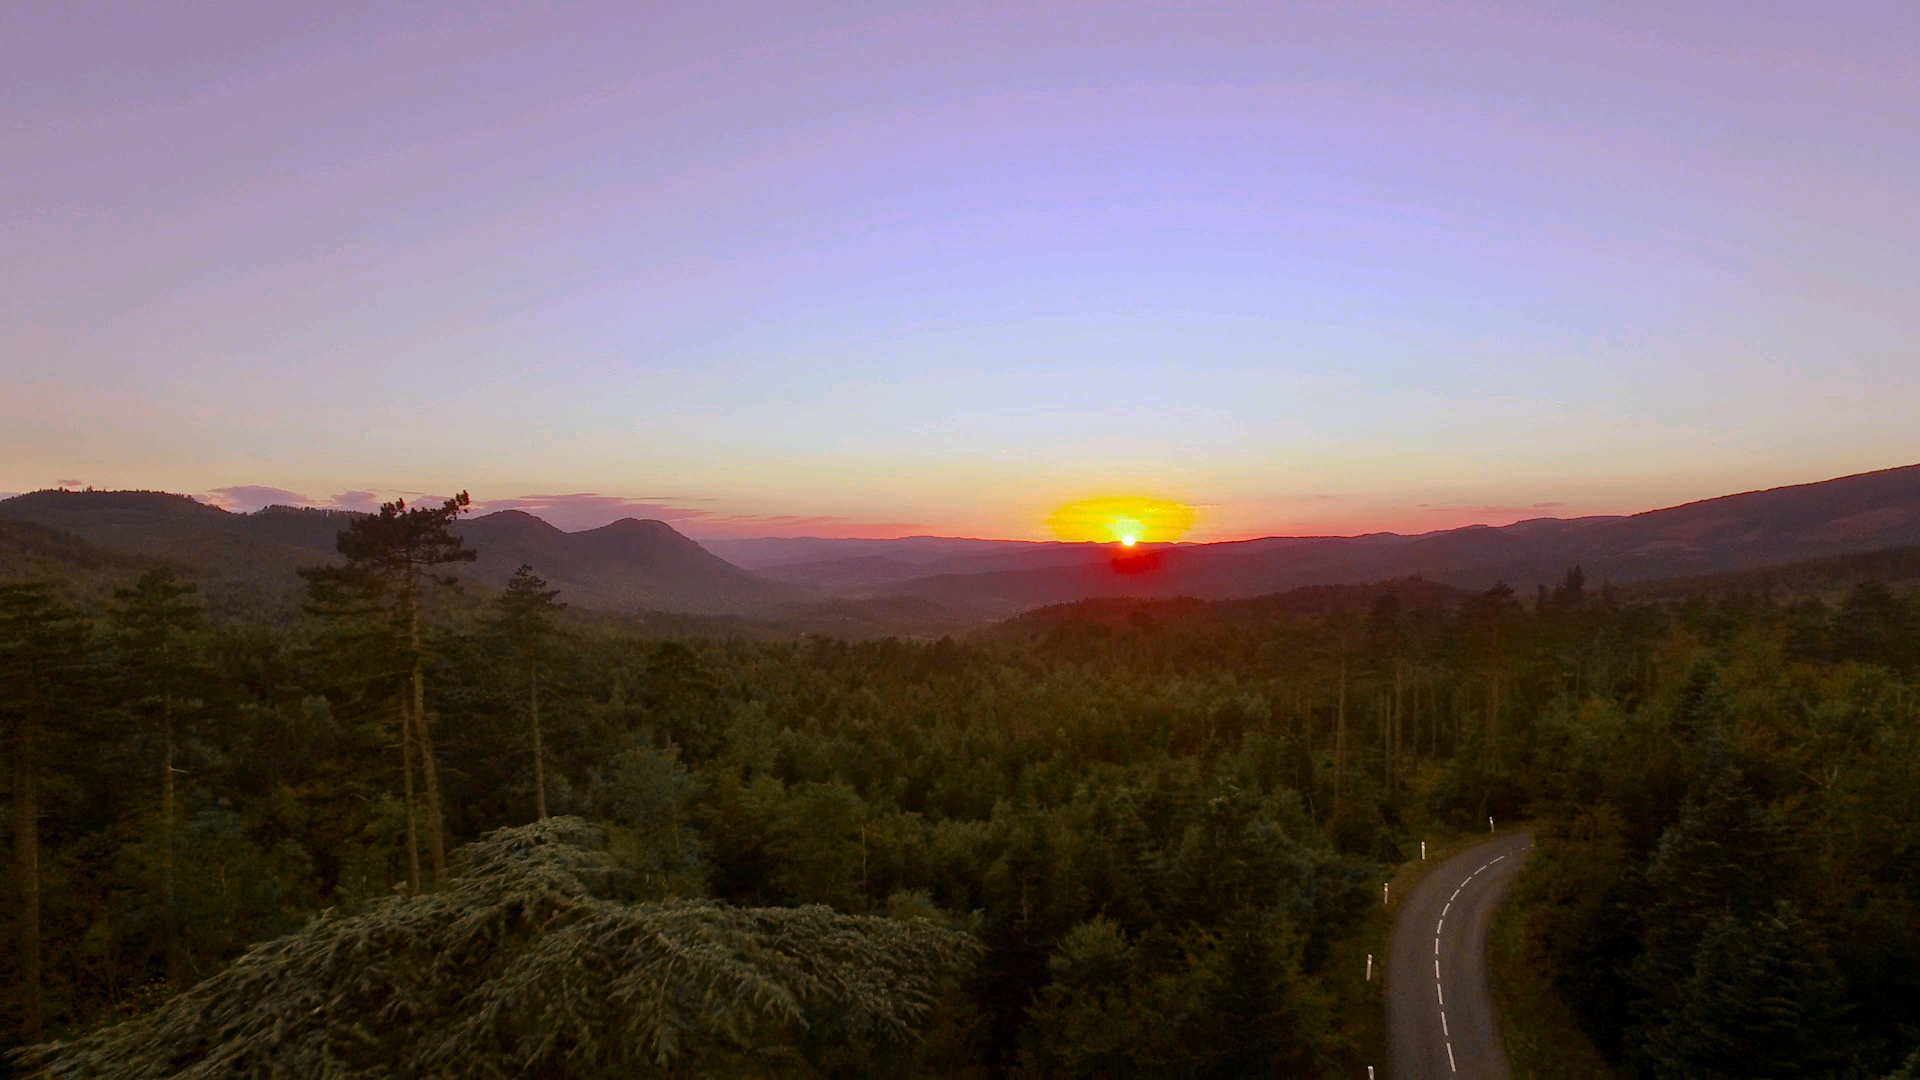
{"points": [[1361, 1005]]}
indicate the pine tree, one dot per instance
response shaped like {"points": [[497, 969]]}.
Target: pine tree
{"points": [[1763, 1001], [1725, 858], [41, 654], [155, 618], [526, 612], [391, 559]]}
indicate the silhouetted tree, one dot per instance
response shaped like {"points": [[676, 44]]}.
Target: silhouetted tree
{"points": [[391, 558]]}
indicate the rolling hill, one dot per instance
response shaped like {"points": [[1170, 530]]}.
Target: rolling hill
{"points": [[629, 565]]}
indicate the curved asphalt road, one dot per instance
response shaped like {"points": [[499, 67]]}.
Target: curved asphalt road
{"points": [[1440, 1019]]}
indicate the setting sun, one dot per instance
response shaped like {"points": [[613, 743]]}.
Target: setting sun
{"points": [[1128, 519]]}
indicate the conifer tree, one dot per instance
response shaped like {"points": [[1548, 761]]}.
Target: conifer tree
{"points": [[155, 617], [524, 966], [41, 652], [526, 613], [1726, 857], [391, 558], [1763, 1000]]}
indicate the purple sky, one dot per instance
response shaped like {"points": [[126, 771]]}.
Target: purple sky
{"points": [[892, 268]]}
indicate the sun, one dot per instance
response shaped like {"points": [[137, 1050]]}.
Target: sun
{"points": [[1124, 519]]}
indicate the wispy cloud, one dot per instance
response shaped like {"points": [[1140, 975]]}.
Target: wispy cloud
{"points": [[751, 525], [1545, 509]]}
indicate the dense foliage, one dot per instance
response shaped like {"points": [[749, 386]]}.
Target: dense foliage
{"points": [[1726, 880], [1160, 821]]}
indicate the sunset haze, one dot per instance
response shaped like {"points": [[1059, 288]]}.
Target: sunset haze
{"points": [[889, 269]]}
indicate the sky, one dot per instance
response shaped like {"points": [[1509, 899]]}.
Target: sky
{"points": [[894, 268]]}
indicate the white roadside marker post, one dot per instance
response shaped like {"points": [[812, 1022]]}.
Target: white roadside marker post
{"points": [[1384, 887], [1489, 824], [1369, 967], [1423, 851]]}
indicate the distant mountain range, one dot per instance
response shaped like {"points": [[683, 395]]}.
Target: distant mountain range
{"points": [[629, 565], [938, 584], [1865, 512]]}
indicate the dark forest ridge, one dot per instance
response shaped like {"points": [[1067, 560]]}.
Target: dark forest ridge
{"points": [[635, 565]]}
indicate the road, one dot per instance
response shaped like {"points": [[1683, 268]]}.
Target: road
{"points": [[1440, 1019]]}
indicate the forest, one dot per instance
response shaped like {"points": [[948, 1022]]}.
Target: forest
{"points": [[1116, 838]]}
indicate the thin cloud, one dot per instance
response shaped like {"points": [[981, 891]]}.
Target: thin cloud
{"points": [[748, 526], [1550, 508]]}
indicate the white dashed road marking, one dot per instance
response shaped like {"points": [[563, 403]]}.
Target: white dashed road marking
{"points": [[1439, 931]]}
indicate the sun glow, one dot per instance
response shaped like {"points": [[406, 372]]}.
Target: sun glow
{"points": [[1126, 519]]}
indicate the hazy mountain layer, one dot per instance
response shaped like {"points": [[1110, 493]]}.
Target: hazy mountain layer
{"points": [[941, 584], [1866, 512], [628, 565]]}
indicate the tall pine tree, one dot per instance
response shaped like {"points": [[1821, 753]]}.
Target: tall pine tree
{"points": [[156, 618], [392, 558], [525, 618], [42, 654]]}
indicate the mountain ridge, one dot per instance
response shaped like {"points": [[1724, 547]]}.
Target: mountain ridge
{"points": [[629, 564], [640, 564], [1726, 533]]}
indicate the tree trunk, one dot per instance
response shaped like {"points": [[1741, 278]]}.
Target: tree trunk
{"points": [[406, 786], [436, 831], [1340, 735], [166, 824], [539, 765], [423, 731], [1399, 717], [26, 856], [1493, 723]]}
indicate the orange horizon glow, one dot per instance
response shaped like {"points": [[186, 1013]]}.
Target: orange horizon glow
{"points": [[1125, 519]]}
